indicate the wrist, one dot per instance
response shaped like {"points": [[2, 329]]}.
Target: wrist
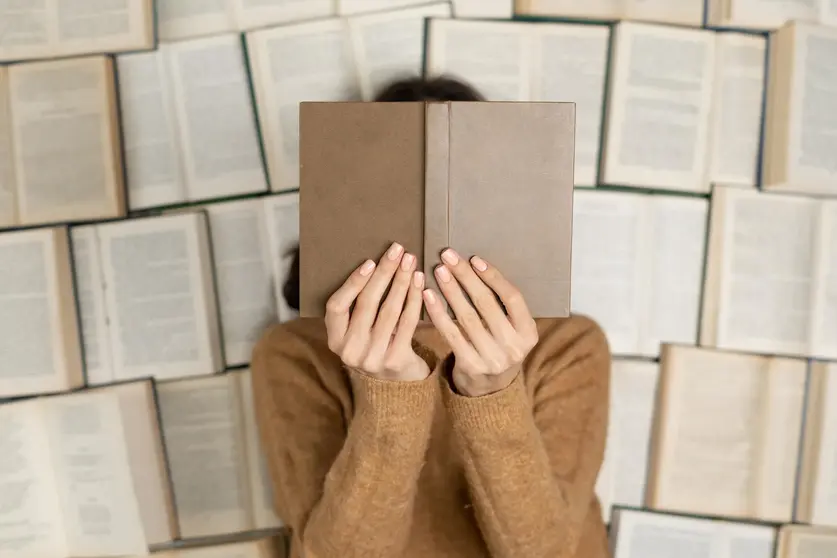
{"points": [[482, 385]]}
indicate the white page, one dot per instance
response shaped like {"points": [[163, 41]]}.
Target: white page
{"points": [[570, 64], [308, 62], [602, 9], [283, 231], [737, 112], [216, 118], [153, 166], [607, 271], [770, 14], [766, 266], [661, 82], [813, 545], [494, 9], [748, 541], [93, 475], [8, 202], [682, 12], [824, 505], [61, 114], [351, 7], [243, 273], [184, 19], [824, 301], [679, 248], [262, 13], [31, 525], [390, 45], [161, 310], [493, 57], [90, 294], [204, 441]]}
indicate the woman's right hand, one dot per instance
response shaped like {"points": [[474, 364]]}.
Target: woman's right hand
{"points": [[376, 336]]}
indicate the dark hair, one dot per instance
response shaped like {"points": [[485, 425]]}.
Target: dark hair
{"points": [[401, 91]]}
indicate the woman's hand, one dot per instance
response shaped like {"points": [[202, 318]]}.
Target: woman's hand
{"points": [[488, 345], [376, 338]]}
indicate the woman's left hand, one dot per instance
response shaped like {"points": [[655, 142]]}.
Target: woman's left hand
{"points": [[488, 345]]}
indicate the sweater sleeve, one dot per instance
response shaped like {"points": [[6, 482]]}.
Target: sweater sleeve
{"points": [[344, 480], [532, 462]]}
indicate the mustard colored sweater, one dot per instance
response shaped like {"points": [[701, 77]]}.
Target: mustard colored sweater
{"points": [[364, 468]]}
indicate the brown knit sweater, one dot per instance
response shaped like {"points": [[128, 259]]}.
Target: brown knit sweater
{"points": [[377, 469]]}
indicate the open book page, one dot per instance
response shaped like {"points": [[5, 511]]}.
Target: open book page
{"points": [[283, 231], [153, 165], [390, 45], [607, 266], [770, 14], [678, 252], [706, 452], [601, 9], [31, 524], [737, 112], [216, 117], [90, 292], [823, 432], [494, 9], [64, 112], [94, 483], [243, 273], [205, 443], [681, 12], [39, 338], [766, 260], [8, 201], [351, 7], [160, 297], [493, 57], [824, 300], [798, 541], [660, 91], [307, 62], [569, 63], [185, 19], [632, 395], [251, 14]]}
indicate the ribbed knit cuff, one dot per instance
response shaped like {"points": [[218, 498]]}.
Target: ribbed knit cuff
{"points": [[395, 399], [490, 413]]}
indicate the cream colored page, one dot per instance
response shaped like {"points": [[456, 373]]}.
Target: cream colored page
{"points": [[810, 545], [679, 233], [243, 274], [185, 19], [61, 115], [27, 30], [251, 14], [153, 164], [766, 265], [661, 91], [161, 323], [31, 524], [493, 57], [604, 9], [390, 45], [90, 294], [8, 196], [681, 12], [307, 62], [737, 110], [771, 14], [351, 7], [824, 508], [607, 267], [204, 441], [569, 63], [494, 9], [94, 483], [746, 541], [283, 231], [234, 550], [707, 454], [824, 301], [216, 117]]}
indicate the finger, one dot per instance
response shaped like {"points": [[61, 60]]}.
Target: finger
{"points": [[412, 313], [464, 351], [369, 300], [466, 315], [340, 303], [511, 297], [393, 305]]}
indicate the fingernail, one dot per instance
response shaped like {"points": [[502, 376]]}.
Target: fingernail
{"points": [[478, 263], [450, 257], [394, 251], [367, 267], [430, 296], [407, 262], [443, 274], [418, 279]]}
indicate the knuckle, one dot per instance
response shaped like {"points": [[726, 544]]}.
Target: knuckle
{"points": [[513, 295], [333, 306]]}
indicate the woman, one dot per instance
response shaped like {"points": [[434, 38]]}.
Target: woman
{"points": [[388, 437]]}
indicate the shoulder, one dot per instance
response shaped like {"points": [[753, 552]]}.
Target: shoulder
{"points": [[570, 347], [288, 335]]}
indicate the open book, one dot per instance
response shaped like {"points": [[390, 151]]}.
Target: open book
{"points": [[633, 389], [816, 495], [189, 123], [698, 124], [799, 541], [147, 298], [771, 284], [331, 60], [726, 434], [39, 337], [645, 534], [637, 267], [494, 9], [60, 28], [252, 243], [799, 144], [508, 61], [84, 475], [684, 12], [221, 483], [62, 112], [768, 14], [354, 7]]}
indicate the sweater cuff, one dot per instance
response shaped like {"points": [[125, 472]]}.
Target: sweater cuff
{"points": [[492, 413], [393, 399]]}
